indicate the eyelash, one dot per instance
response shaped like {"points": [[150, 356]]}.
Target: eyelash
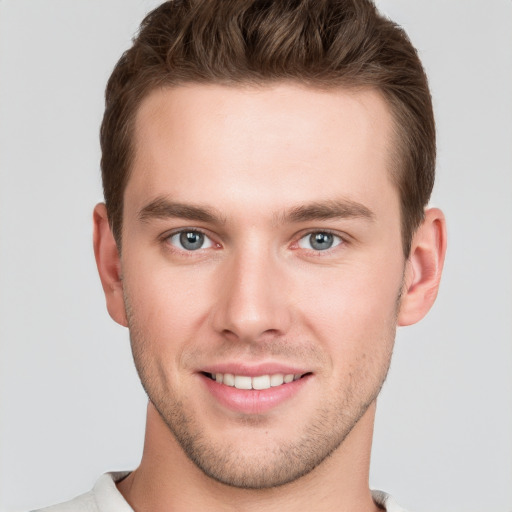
{"points": [[318, 253], [295, 245], [166, 239]]}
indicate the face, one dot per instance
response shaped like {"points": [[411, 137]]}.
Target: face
{"points": [[261, 268]]}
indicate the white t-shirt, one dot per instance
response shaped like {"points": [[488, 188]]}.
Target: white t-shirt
{"points": [[104, 497]]}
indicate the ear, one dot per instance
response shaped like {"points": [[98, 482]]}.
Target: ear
{"points": [[423, 268], [109, 265]]}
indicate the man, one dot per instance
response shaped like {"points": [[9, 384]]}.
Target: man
{"points": [[266, 169]]}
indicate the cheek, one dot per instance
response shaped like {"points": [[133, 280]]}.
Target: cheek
{"points": [[353, 307], [356, 324], [166, 307]]}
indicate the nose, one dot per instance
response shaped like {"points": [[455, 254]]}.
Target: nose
{"points": [[253, 297]]}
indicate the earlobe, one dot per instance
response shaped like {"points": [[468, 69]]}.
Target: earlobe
{"points": [[424, 268], [109, 265]]}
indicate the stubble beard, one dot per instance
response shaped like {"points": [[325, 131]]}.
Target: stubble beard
{"points": [[280, 464], [277, 466]]}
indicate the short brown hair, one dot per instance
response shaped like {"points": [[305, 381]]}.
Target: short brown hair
{"points": [[320, 43]]}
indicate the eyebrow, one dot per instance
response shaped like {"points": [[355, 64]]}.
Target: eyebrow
{"points": [[163, 208], [325, 210]]}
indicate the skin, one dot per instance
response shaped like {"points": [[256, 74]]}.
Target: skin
{"points": [[267, 167]]}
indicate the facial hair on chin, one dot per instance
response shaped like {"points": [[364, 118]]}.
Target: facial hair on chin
{"points": [[282, 462]]}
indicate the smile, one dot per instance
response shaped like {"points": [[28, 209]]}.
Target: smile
{"points": [[255, 390], [258, 382]]}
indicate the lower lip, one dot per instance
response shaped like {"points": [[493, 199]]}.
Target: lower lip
{"points": [[253, 401]]}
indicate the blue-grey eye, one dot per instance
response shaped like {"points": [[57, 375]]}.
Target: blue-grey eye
{"points": [[190, 240], [319, 241]]}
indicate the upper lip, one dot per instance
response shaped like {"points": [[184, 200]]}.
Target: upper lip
{"points": [[253, 370]]}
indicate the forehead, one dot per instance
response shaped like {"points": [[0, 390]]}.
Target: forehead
{"points": [[269, 145]]}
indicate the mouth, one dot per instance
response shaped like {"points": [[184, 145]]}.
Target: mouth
{"points": [[258, 382]]}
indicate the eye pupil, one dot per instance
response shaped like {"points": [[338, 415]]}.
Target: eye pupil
{"points": [[191, 240], [321, 241]]}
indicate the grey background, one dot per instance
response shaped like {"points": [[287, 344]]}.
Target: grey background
{"points": [[71, 405]]}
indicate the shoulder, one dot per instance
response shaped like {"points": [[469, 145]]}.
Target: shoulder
{"points": [[386, 501], [82, 503], [104, 497]]}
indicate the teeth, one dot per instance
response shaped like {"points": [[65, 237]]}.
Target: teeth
{"points": [[259, 382], [277, 379], [243, 382], [229, 379]]}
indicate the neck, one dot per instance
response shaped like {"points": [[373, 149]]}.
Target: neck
{"points": [[167, 480]]}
